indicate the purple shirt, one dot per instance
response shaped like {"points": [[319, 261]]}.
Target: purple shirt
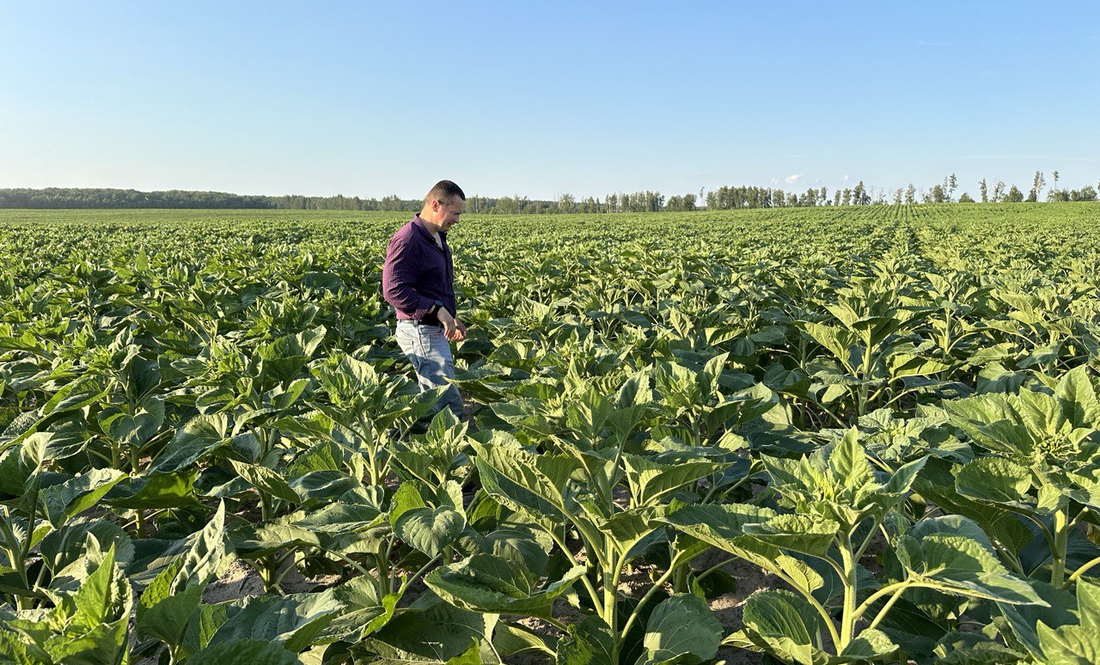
{"points": [[417, 273]]}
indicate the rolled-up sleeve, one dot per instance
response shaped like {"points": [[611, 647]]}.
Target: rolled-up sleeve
{"points": [[399, 276]]}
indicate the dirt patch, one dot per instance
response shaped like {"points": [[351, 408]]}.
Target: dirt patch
{"points": [[242, 581]]}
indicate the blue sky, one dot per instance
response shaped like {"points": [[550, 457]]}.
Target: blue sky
{"points": [[541, 98]]}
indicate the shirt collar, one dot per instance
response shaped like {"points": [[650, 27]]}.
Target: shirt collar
{"points": [[419, 223]]}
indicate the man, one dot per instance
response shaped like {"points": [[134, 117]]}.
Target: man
{"points": [[418, 280]]}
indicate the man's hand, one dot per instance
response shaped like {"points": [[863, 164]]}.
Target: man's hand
{"points": [[453, 329]]}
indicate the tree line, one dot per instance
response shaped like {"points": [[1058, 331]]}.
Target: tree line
{"points": [[722, 198], [71, 197]]}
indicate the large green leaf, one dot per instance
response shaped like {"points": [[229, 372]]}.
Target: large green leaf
{"points": [[848, 463], [1054, 634], [781, 623], [869, 646], [973, 649], [64, 546], [511, 639], [1024, 620], [266, 480], [134, 430], [339, 518], [651, 481], [723, 526], [525, 547], [281, 360], [491, 584], [204, 556], [684, 628], [535, 484], [78, 494], [908, 364], [17, 649], [253, 543], [1069, 646], [364, 611], [163, 613], [527, 414], [105, 597], [903, 479], [197, 438], [202, 552], [589, 643], [430, 530], [797, 533], [251, 651], [295, 620], [839, 342], [431, 632], [995, 480], [156, 490], [1078, 399], [959, 564]]}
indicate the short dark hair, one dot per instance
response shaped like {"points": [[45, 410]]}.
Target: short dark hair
{"points": [[445, 190]]}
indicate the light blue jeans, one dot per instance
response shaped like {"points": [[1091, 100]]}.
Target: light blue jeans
{"points": [[430, 354]]}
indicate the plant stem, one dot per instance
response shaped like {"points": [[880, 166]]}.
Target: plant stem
{"points": [[560, 542], [20, 563], [851, 588], [610, 580], [863, 388], [896, 589], [1058, 554], [383, 581], [372, 448], [1072, 579], [136, 467], [346, 559], [405, 582]]}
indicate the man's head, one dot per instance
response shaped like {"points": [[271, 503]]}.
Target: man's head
{"points": [[443, 205]]}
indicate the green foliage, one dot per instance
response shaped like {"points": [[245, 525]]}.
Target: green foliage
{"points": [[891, 409]]}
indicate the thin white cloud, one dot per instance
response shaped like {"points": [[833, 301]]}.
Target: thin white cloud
{"points": [[792, 179]]}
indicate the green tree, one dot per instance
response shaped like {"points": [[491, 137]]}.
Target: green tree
{"points": [[1086, 193], [859, 195], [1054, 194], [1038, 183], [1014, 195], [999, 192]]}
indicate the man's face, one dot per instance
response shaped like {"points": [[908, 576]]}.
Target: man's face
{"points": [[449, 212]]}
